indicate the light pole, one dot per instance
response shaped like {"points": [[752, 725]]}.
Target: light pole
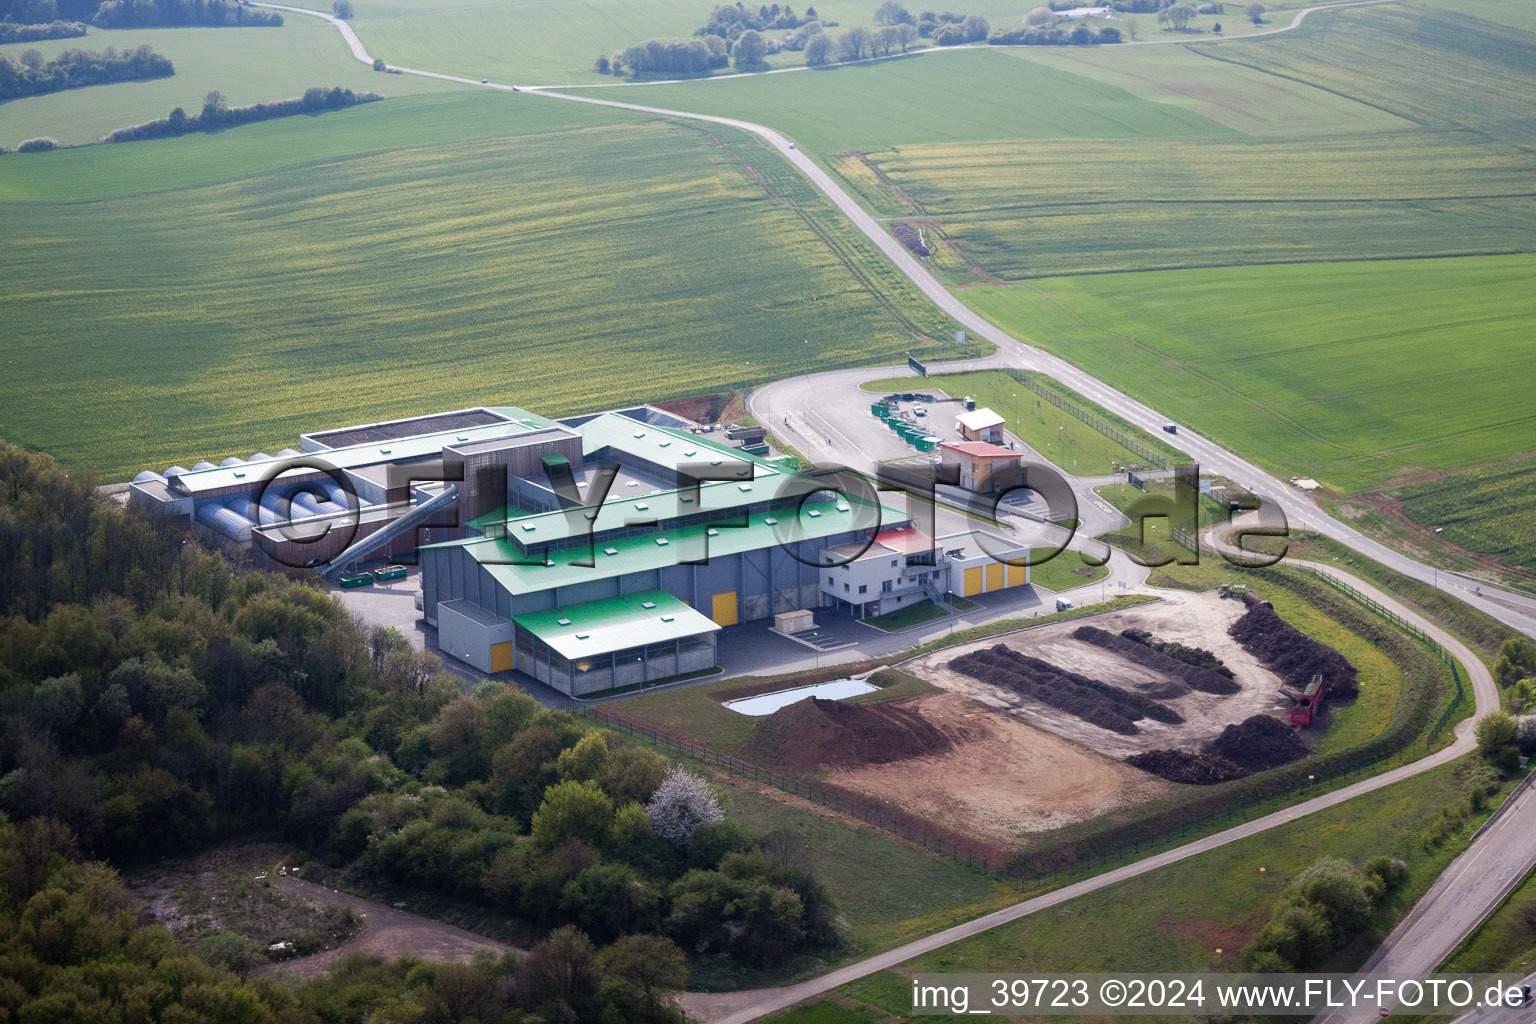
{"points": [[1061, 445]]}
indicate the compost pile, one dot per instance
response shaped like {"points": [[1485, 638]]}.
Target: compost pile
{"points": [[1290, 653], [1253, 745], [1192, 655], [1186, 767], [1095, 702], [816, 733], [1138, 652], [1258, 743]]}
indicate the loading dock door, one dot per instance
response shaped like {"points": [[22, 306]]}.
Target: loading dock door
{"points": [[724, 608], [501, 657], [994, 576], [1017, 574], [972, 580]]}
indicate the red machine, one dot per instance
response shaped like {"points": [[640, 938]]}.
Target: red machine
{"points": [[1309, 702]]}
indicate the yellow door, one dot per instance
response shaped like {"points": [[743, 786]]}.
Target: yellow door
{"points": [[725, 608], [501, 657], [994, 576], [972, 580], [1017, 574]]}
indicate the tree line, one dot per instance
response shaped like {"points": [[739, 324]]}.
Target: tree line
{"points": [[13, 33], [154, 700], [129, 13], [217, 13], [217, 114], [72, 69]]}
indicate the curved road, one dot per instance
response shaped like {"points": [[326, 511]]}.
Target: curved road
{"points": [[1514, 609], [1485, 692]]}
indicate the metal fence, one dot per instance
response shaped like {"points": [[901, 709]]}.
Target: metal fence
{"points": [[1249, 799], [1093, 419], [1414, 631]]}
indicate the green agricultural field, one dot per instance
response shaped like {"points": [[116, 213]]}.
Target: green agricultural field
{"points": [[563, 272], [1241, 98], [1020, 210], [548, 44], [98, 172], [1436, 68], [1516, 13], [933, 97], [1061, 438], [1489, 509], [248, 65], [1195, 915], [1348, 372]]}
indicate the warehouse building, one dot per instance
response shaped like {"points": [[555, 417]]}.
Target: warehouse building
{"points": [[590, 553]]}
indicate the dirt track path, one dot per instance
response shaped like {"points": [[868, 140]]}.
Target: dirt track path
{"points": [[386, 932]]}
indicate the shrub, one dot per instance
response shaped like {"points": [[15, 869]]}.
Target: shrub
{"points": [[12, 33], [1496, 735], [41, 144]]}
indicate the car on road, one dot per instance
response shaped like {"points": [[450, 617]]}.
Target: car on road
{"points": [[485, 81], [517, 88], [1170, 428], [791, 145], [1063, 605], [919, 411]]}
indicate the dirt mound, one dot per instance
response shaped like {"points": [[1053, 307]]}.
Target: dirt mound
{"points": [[1197, 656], [1258, 743], [816, 733], [699, 408], [1143, 653], [1190, 769], [1095, 702], [1291, 654], [1253, 745]]}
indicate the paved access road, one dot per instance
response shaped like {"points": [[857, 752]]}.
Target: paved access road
{"points": [[1484, 689], [1461, 899], [1516, 610]]}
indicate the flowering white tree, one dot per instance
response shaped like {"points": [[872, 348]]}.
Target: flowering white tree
{"points": [[682, 805]]}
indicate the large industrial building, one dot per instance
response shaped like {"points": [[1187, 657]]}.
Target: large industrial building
{"points": [[590, 553]]}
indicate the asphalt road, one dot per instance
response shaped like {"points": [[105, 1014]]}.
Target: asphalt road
{"points": [[1496, 851], [1513, 609], [1470, 889], [1485, 692]]}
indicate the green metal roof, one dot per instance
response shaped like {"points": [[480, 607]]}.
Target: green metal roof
{"points": [[661, 548], [615, 624], [499, 515], [756, 480]]}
